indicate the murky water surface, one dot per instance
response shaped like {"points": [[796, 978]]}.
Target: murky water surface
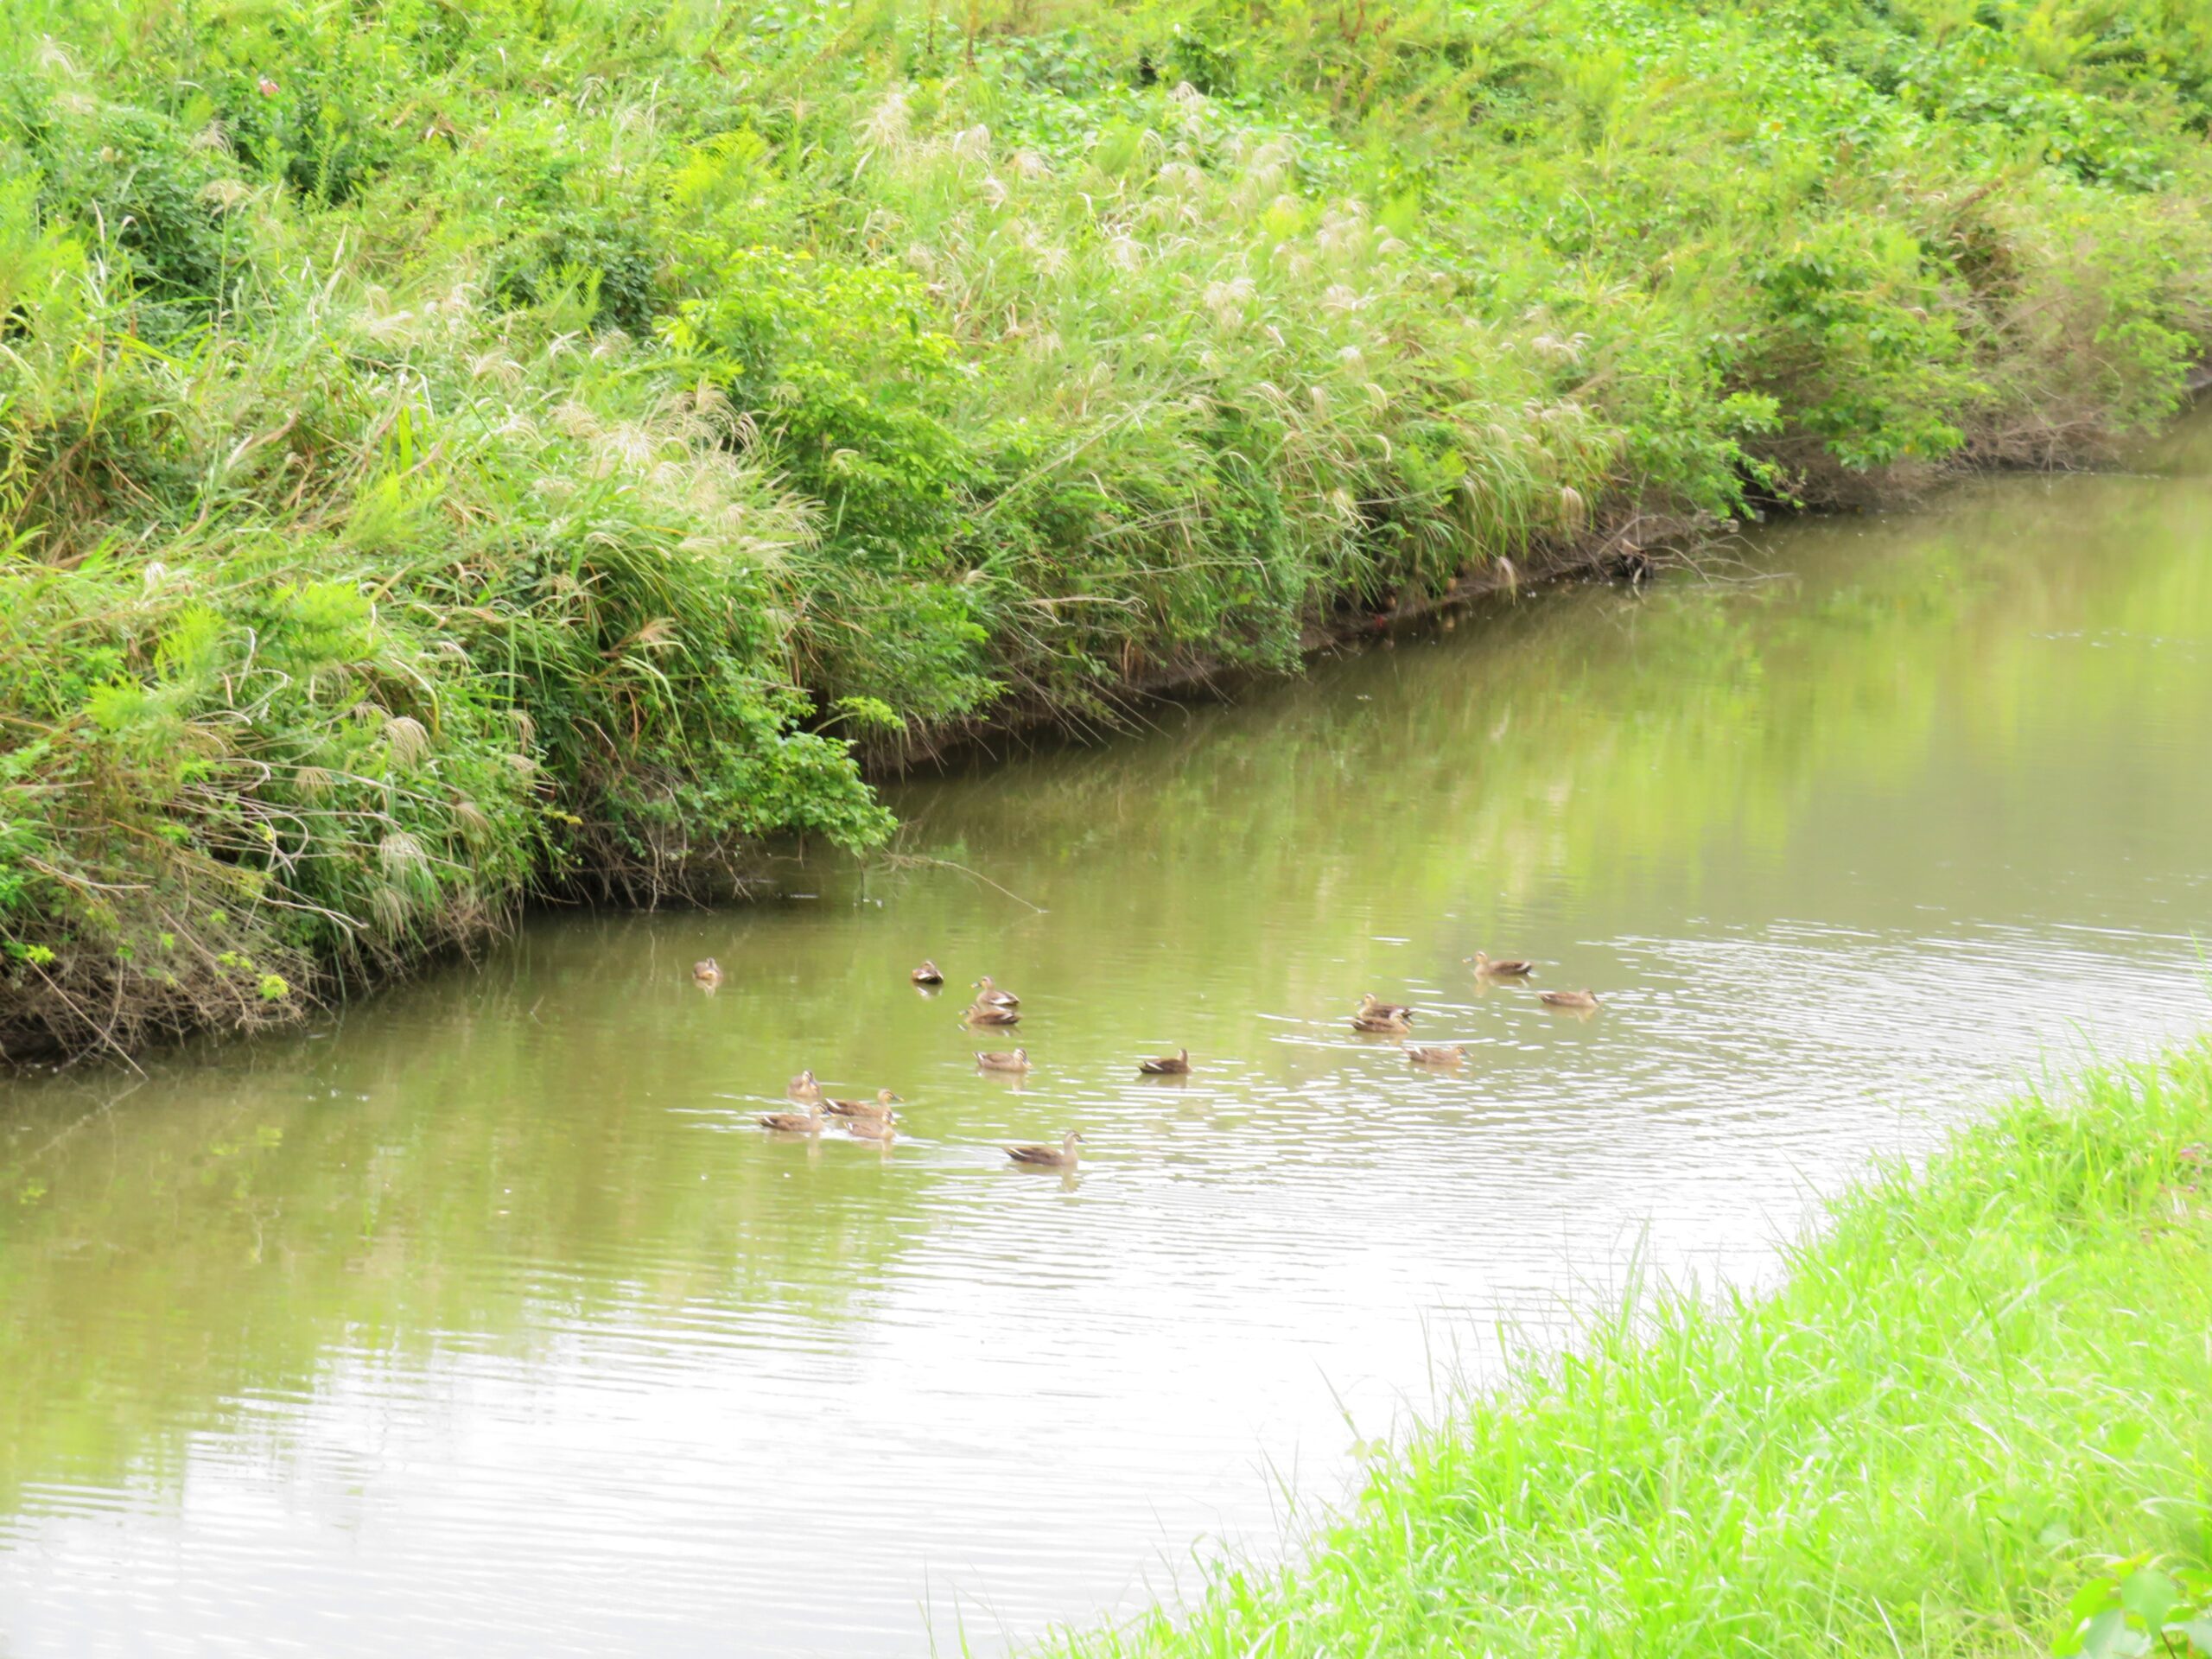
{"points": [[485, 1321]]}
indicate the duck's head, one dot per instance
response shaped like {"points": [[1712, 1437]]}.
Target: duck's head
{"points": [[885, 1098]]}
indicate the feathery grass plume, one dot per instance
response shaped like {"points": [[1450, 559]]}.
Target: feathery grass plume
{"points": [[406, 739]]}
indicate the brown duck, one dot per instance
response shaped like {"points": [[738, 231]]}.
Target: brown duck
{"points": [[1372, 1008], [707, 972], [809, 1122], [872, 1128], [879, 1108], [1500, 968], [983, 1014], [1001, 1060], [1569, 999], [1060, 1157], [804, 1087], [1383, 1025], [990, 994], [928, 974], [1177, 1065], [1436, 1053]]}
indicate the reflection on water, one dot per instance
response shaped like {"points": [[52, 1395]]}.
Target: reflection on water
{"points": [[484, 1319]]}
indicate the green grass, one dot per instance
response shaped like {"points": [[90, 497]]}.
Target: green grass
{"points": [[450, 452], [1976, 1389]]}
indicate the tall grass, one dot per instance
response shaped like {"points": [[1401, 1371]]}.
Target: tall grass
{"points": [[447, 452], [1979, 1386]]}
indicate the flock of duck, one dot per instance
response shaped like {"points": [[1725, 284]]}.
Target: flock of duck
{"points": [[995, 1007]]}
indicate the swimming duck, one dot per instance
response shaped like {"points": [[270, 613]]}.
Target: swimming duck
{"points": [[879, 1108], [1383, 1025], [1503, 967], [807, 1122], [707, 972], [980, 1015], [1060, 1157], [1371, 1008], [990, 994], [804, 1087], [1436, 1053], [1569, 999], [999, 1060], [872, 1128], [928, 974], [1167, 1065]]}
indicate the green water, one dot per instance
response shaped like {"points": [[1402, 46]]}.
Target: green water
{"points": [[483, 1320]]}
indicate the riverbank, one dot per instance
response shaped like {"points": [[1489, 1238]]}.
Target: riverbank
{"points": [[446, 459], [1973, 1391]]}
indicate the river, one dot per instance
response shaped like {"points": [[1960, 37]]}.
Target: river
{"points": [[483, 1319]]}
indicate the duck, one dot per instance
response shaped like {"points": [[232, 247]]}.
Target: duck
{"points": [[807, 1122], [1060, 1157], [1383, 1025], [1371, 1008], [928, 974], [878, 1108], [707, 972], [1436, 1053], [981, 1014], [987, 993], [1585, 999], [1500, 968], [1167, 1065], [878, 1129], [804, 1087], [999, 1060]]}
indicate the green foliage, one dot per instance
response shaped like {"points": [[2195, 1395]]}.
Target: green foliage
{"points": [[851, 382], [2140, 1606], [1858, 331], [643, 404]]}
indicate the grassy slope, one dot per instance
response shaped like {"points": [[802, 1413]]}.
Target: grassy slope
{"points": [[448, 451], [1974, 1389]]}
